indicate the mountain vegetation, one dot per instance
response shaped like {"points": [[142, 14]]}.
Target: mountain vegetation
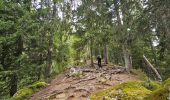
{"points": [[39, 39]]}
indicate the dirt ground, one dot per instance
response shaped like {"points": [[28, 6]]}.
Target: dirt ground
{"points": [[68, 86]]}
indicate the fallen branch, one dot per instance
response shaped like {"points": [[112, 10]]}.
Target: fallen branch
{"points": [[154, 69], [87, 70], [83, 80]]}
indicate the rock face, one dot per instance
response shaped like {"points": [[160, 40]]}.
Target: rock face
{"points": [[79, 82]]}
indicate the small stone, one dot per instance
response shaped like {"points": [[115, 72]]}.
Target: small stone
{"points": [[61, 96]]}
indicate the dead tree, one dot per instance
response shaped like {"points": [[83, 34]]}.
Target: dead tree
{"points": [[152, 68]]}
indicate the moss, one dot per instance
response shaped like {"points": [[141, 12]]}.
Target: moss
{"points": [[23, 94], [38, 85], [160, 94], [151, 85], [131, 90], [163, 93], [166, 82]]}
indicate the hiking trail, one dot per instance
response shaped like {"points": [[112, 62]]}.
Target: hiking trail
{"points": [[77, 83]]}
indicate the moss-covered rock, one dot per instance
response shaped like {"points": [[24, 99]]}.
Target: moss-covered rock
{"points": [[163, 93], [38, 85], [160, 94], [131, 90], [151, 85], [22, 94]]}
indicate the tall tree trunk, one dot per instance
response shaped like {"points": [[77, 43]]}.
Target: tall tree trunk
{"points": [[91, 52], [126, 54], [14, 77], [49, 51], [13, 84], [165, 22], [3, 56], [49, 58], [153, 52], [106, 53], [127, 59]]}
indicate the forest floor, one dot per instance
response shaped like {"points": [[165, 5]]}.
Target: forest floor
{"points": [[77, 83]]}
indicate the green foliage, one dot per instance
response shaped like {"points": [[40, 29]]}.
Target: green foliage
{"points": [[131, 90]]}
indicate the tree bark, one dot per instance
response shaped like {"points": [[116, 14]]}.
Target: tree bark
{"points": [[91, 52], [153, 69], [127, 59], [49, 58], [13, 84], [165, 22], [126, 53], [154, 53], [14, 77], [105, 54]]}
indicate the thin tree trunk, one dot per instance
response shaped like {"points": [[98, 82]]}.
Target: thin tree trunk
{"points": [[153, 52], [105, 54], [91, 52], [167, 28], [49, 51], [127, 59], [14, 77], [49, 58], [13, 84]]}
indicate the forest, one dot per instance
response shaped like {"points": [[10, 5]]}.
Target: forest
{"points": [[41, 40]]}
